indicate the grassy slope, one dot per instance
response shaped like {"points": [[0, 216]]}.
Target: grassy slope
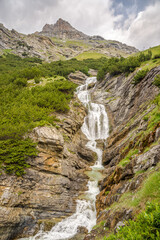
{"points": [[86, 55]]}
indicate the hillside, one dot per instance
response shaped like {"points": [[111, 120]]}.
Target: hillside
{"points": [[60, 42], [44, 161]]}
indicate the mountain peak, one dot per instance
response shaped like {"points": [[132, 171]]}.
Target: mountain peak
{"points": [[63, 30]]}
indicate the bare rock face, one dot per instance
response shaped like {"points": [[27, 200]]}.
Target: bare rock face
{"points": [[47, 192], [63, 30], [127, 107]]}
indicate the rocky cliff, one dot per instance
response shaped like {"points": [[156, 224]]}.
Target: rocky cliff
{"points": [[63, 30], [132, 153]]}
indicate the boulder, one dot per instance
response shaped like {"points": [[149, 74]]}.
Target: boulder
{"points": [[77, 77]]}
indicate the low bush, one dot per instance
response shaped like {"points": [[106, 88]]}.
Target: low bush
{"points": [[157, 81], [13, 155], [146, 226], [156, 56], [139, 76]]}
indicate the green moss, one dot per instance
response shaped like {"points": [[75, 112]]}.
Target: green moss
{"points": [[66, 138]]}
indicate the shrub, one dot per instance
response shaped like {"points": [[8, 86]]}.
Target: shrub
{"points": [[157, 81], [156, 56], [21, 82], [139, 76], [36, 80], [13, 155], [146, 226]]}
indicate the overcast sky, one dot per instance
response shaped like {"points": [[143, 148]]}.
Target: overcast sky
{"points": [[134, 22]]}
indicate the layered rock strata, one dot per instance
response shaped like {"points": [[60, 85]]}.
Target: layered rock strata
{"points": [[128, 107], [48, 191]]}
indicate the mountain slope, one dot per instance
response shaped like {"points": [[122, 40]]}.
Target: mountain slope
{"points": [[59, 42]]}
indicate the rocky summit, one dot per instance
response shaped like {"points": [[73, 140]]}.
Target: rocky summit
{"points": [[63, 30]]}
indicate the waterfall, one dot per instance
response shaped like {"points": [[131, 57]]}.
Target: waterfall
{"points": [[95, 127]]}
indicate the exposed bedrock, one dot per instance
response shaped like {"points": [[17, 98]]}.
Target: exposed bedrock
{"points": [[48, 191], [128, 108]]}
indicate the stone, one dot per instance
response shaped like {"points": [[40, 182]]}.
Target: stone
{"points": [[157, 135], [77, 77], [49, 136]]}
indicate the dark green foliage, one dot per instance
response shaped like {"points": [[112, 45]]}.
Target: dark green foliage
{"points": [[116, 66], [145, 57], [156, 56], [13, 155], [146, 226], [139, 76], [13, 67], [36, 80], [157, 80], [21, 82], [23, 109], [101, 74]]}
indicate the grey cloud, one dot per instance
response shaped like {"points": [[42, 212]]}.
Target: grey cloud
{"points": [[144, 32], [26, 15], [93, 17]]}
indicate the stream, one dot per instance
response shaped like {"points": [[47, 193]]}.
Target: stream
{"points": [[95, 127]]}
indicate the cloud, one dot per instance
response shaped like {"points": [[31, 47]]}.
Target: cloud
{"points": [[144, 31], [26, 16], [113, 19]]}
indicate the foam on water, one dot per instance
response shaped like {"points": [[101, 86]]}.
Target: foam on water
{"points": [[95, 127]]}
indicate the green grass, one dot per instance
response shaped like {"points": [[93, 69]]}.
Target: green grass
{"points": [[77, 43], [70, 43], [127, 159], [5, 51], [155, 50], [86, 55], [157, 80], [150, 64], [153, 62], [149, 191], [146, 226]]}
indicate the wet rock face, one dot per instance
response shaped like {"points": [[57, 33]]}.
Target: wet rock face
{"points": [[47, 192]]}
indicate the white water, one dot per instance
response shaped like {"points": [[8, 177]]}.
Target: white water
{"points": [[95, 127]]}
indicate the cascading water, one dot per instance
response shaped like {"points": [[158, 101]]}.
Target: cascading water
{"points": [[95, 127]]}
